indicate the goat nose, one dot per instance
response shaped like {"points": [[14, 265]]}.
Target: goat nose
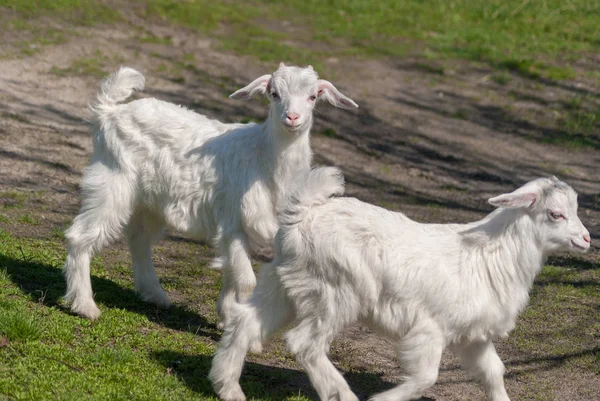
{"points": [[586, 238], [293, 116]]}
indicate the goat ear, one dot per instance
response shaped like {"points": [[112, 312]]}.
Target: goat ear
{"points": [[514, 200], [330, 93], [259, 85]]}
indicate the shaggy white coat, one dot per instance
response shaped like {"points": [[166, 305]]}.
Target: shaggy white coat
{"points": [[423, 286], [156, 164]]}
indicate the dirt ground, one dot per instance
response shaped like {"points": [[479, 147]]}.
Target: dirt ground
{"points": [[434, 145]]}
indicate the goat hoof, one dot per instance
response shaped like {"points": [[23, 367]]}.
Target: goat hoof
{"points": [[87, 309], [255, 347], [158, 298], [232, 393]]}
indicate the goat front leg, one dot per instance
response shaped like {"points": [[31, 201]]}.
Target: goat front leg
{"points": [[238, 277], [419, 352], [483, 361], [267, 310]]}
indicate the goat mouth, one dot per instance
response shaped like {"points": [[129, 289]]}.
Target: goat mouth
{"points": [[293, 128], [580, 247]]}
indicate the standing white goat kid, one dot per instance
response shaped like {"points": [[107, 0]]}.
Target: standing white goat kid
{"points": [[423, 286], [156, 164]]}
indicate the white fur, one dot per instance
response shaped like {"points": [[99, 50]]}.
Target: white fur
{"points": [[423, 286], [156, 164]]}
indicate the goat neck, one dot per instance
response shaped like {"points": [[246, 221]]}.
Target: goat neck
{"points": [[288, 152], [508, 244]]}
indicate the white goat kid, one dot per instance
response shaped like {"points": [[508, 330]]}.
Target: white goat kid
{"points": [[156, 164], [423, 286]]}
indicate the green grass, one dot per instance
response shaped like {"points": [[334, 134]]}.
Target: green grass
{"points": [[19, 325], [86, 66], [329, 132], [156, 40], [133, 352], [125, 355], [521, 36], [80, 12], [27, 218], [578, 128], [12, 199], [29, 18], [529, 38], [559, 320]]}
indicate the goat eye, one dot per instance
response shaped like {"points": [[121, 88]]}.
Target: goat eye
{"points": [[556, 215], [313, 97], [275, 95]]}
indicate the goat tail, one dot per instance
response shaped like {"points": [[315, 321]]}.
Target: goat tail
{"points": [[313, 189], [118, 87]]}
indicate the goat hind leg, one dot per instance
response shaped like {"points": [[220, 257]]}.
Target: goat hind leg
{"points": [[142, 229], [106, 206], [310, 341]]}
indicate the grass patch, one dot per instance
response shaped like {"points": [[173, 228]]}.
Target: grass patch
{"points": [[12, 199], [329, 133], [501, 78], [430, 68], [560, 320], [529, 68], [156, 40], [87, 66], [248, 119], [58, 233], [584, 122], [29, 18], [579, 128], [27, 218], [80, 12], [18, 325], [461, 114]]}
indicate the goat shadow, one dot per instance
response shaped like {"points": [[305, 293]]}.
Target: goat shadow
{"points": [[262, 381], [40, 280]]}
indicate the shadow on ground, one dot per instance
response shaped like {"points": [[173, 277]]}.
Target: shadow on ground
{"points": [[42, 281], [282, 382]]}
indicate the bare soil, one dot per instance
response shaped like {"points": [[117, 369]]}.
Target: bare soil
{"points": [[433, 145]]}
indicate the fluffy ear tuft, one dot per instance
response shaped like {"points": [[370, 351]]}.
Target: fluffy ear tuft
{"points": [[281, 65], [330, 93], [259, 85], [514, 200], [310, 67]]}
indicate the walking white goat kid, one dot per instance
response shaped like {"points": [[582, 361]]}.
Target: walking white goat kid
{"points": [[156, 164], [423, 286]]}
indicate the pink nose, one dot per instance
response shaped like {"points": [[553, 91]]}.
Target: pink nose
{"points": [[586, 238], [292, 116]]}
